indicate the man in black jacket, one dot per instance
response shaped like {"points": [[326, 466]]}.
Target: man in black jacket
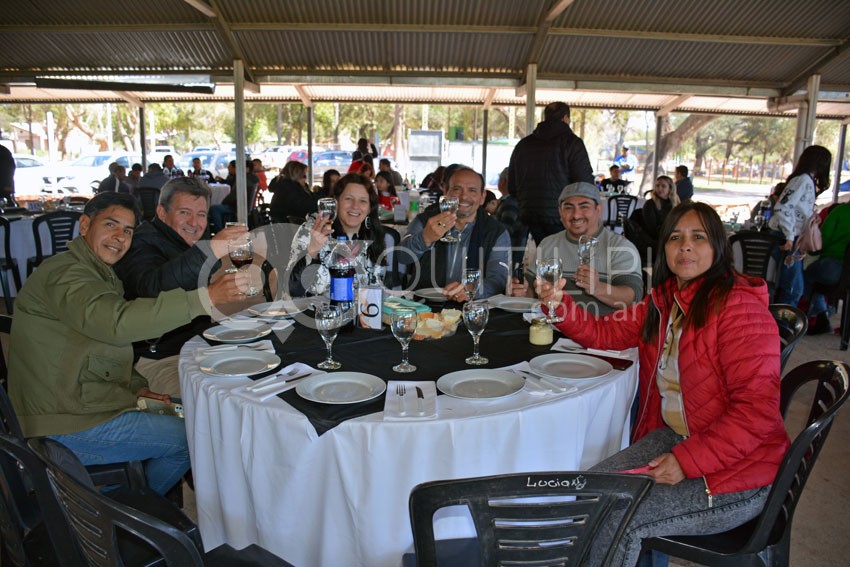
{"points": [[169, 253], [542, 164]]}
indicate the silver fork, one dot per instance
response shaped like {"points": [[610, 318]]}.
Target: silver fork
{"points": [[400, 391], [261, 384]]}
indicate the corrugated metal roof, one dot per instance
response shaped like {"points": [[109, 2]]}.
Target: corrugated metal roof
{"points": [[758, 48]]}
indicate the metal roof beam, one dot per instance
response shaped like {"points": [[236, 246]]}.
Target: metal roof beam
{"points": [[488, 98], [543, 27], [697, 37], [202, 7], [229, 38], [132, 100], [832, 55], [671, 105], [305, 98]]}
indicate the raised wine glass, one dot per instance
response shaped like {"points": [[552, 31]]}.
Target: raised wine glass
{"points": [[475, 316], [241, 253], [759, 221], [472, 283], [586, 247], [449, 204], [328, 321], [327, 208], [403, 324], [550, 270]]}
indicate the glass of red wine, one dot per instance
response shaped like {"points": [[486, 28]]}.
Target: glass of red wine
{"points": [[241, 254]]}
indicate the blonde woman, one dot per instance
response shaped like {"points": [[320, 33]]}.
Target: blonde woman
{"points": [[292, 198], [664, 198]]}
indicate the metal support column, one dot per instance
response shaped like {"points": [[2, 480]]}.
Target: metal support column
{"points": [[530, 98], [484, 136], [310, 145], [806, 116], [142, 136], [655, 155], [239, 121], [839, 158]]}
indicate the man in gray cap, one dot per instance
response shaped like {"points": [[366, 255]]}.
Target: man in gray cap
{"points": [[612, 279]]}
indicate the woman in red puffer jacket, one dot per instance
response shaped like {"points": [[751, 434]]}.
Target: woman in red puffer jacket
{"points": [[709, 428]]}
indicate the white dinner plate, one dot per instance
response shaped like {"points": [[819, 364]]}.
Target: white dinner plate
{"points": [[514, 304], [242, 324], [569, 367], [431, 294], [480, 384], [280, 308], [224, 334], [341, 388], [239, 362]]}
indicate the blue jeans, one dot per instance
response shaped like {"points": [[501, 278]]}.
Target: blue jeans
{"points": [[158, 440], [680, 509], [790, 277], [823, 271]]}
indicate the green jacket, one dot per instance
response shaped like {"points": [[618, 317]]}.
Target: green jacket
{"points": [[71, 354]]}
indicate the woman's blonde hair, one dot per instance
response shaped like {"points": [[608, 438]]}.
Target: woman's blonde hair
{"points": [[673, 197]]}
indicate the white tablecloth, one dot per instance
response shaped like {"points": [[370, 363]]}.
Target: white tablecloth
{"points": [[262, 474]]}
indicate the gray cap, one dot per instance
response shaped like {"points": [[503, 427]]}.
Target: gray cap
{"points": [[580, 189]]}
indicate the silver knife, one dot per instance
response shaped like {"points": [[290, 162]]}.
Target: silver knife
{"points": [[420, 400], [550, 384]]}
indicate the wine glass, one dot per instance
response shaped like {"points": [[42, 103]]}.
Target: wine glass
{"points": [[550, 271], [327, 208], [403, 324], [475, 316], [472, 283], [759, 221], [241, 254], [586, 247], [328, 321], [449, 204]]}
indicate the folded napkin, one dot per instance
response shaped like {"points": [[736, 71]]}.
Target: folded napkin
{"points": [[569, 345], [259, 346], [393, 406], [537, 313], [282, 382]]}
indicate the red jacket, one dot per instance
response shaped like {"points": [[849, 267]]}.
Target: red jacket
{"points": [[729, 375]]}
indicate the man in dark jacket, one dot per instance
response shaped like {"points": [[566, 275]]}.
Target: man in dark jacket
{"points": [[115, 181], [684, 185], [169, 253], [542, 164]]}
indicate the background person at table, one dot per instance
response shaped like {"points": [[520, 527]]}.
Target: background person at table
{"points": [[357, 220], [484, 243], [169, 253], [826, 270], [796, 204], [227, 208], [133, 177], [542, 164], [169, 169], [154, 178], [387, 196], [614, 183], [329, 179], [613, 279], [709, 425], [291, 199], [644, 226], [684, 185], [71, 371], [384, 165], [115, 181], [199, 173], [627, 164]]}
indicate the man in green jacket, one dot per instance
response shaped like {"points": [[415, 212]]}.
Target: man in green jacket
{"points": [[71, 371]]}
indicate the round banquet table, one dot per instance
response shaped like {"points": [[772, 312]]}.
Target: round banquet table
{"points": [[264, 474]]}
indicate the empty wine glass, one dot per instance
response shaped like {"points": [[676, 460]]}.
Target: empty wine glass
{"points": [[241, 254], [586, 247], [328, 321], [550, 270], [759, 221], [403, 324], [449, 204], [475, 316], [327, 208], [472, 283]]}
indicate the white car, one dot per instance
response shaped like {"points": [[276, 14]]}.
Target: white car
{"points": [[32, 175], [86, 173]]}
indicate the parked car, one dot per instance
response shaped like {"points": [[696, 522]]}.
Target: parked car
{"points": [[32, 175], [332, 159], [215, 162], [275, 156], [86, 173]]}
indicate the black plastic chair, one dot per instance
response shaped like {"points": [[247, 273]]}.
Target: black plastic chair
{"points": [[766, 540], [148, 198], [5, 329], [756, 252], [840, 290], [515, 527], [97, 522], [620, 207], [792, 323], [61, 225], [8, 264]]}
